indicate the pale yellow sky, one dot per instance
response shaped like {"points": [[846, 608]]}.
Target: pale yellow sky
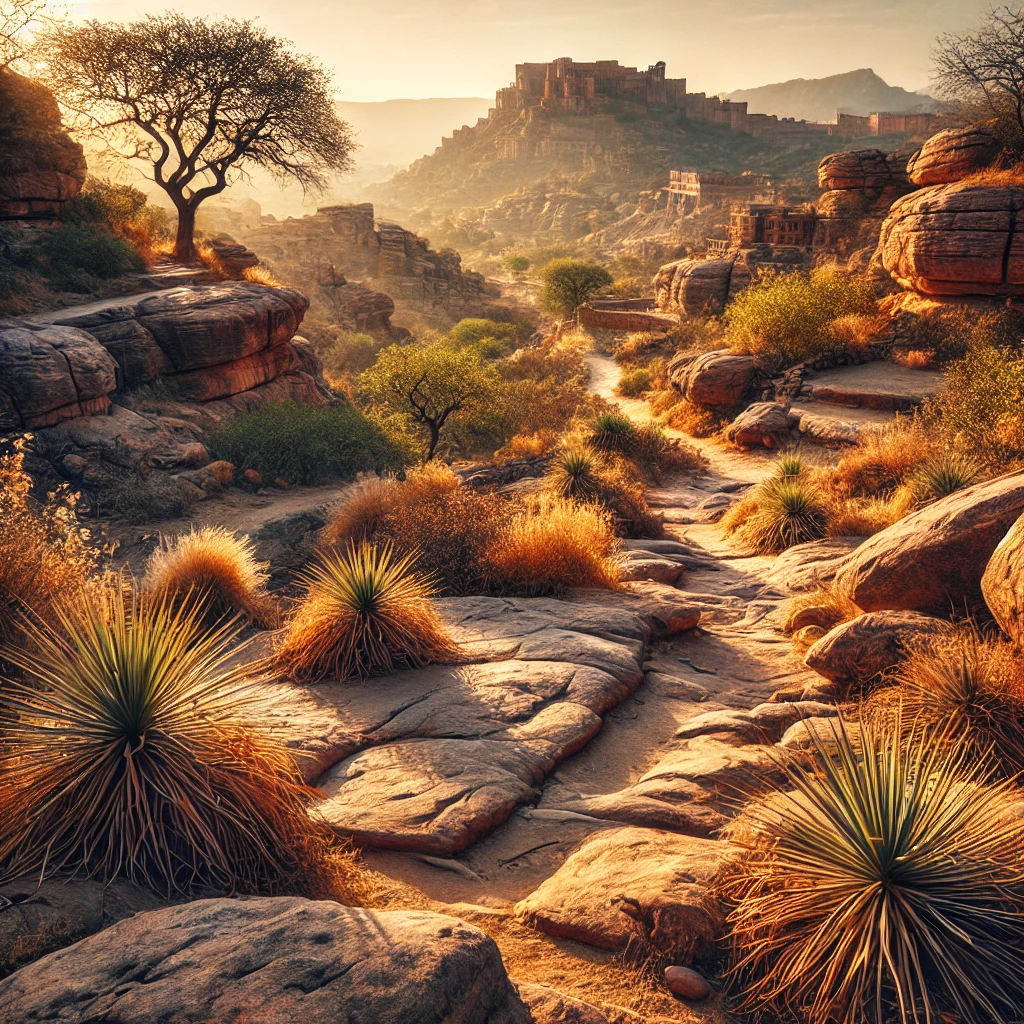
{"points": [[387, 49]]}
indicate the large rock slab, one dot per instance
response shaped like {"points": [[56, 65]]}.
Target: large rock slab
{"points": [[694, 287], [761, 425], [717, 380], [933, 560], [952, 155], [548, 1006], [629, 883], [959, 239], [1003, 582], [861, 169], [52, 374], [270, 961], [431, 760], [37, 919], [872, 644]]}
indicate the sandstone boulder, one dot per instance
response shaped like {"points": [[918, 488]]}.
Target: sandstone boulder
{"points": [[629, 883], [763, 424], [933, 560], [37, 919], [953, 154], [959, 239], [52, 374], [1003, 583], [719, 379], [861, 169], [547, 1006], [872, 644], [271, 961], [694, 287]]}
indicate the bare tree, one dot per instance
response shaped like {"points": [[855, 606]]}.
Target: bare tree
{"points": [[984, 70], [198, 102], [17, 17]]}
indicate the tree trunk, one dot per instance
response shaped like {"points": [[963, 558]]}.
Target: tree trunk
{"points": [[184, 241], [435, 436]]}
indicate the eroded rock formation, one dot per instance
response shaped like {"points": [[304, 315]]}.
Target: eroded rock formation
{"points": [[952, 155]]}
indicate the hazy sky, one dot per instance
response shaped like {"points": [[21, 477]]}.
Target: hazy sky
{"points": [[386, 49]]}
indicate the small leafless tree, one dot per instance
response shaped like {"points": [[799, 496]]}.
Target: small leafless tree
{"points": [[983, 71], [17, 17], [199, 102]]}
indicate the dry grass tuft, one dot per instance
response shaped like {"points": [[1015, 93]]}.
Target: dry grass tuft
{"points": [[538, 445], [825, 607], [886, 458], [45, 556], [692, 419], [995, 177], [217, 570], [365, 612], [128, 752], [882, 881], [553, 545], [916, 358], [778, 513]]}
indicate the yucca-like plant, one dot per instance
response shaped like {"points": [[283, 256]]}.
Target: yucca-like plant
{"points": [[366, 611], [214, 567], [785, 512], [790, 465], [966, 687], [943, 474], [883, 883], [128, 751], [575, 472], [613, 432]]}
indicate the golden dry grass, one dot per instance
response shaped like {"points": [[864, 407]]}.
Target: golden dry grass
{"points": [[203, 800], [215, 568], [916, 358], [691, 419], [857, 330], [553, 545], [365, 612], [885, 458], [995, 177], [537, 445], [361, 513], [44, 554]]}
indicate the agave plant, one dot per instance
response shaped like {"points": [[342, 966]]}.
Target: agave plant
{"points": [[786, 512], [884, 882], [129, 751], [575, 473], [216, 568], [365, 612], [942, 475]]}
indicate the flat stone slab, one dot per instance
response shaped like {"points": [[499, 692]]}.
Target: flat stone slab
{"points": [[627, 883], [431, 760], [878, 385]]}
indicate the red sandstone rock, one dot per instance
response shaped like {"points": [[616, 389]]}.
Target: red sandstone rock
{"points": [[694, 287], [250, 476], [719, 379], [933, 560], [860, 169], [763, 424], [1003, 583], [222, 471], [235, 377], [687, 983], [953, 154], [956, 240]]}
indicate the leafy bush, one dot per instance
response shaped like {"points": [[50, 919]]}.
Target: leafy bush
{"points": [[305, 444], [349, 354], [145, 499], [491, 338], [213, 568], [124, 211], [793, 316], [128, 752], [882, 882], [45, 556], [79, 254], [516, 263], [365, 612], [568, 283], [635, 382]]}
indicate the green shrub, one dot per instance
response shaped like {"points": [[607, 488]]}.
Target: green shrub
{"points": [[350, 353], [305, 444], [473, 330], [568, 283], [791, 316], [633, 383], [79, 254]]}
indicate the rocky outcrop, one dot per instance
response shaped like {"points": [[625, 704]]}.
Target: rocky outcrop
{"points": [[541, 210], [870, 645], [271, 961], [37, 919], [634, 884], [861, 169], [961, 239], [41, 167], [362, 309], [761, 425], [52, 374], [933, 560], [1003, 583], [952, 155], [716, 380]]}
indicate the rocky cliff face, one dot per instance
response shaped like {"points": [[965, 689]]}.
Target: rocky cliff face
{"points": [[324, 252], [41, 167]]}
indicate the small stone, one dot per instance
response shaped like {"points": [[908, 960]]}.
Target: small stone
{"points": [[281, 483], [74, 466], [687, 984], [211, 485], [222, 471], [250, 476], [808, 634]]}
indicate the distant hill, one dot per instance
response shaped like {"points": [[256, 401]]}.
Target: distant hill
{"points": [[396, 132], [817, 99]]}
